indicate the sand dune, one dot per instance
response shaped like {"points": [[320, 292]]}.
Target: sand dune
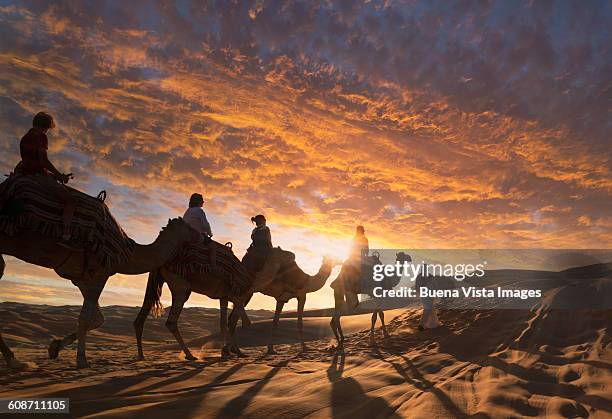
{"points": [[547, 361]]}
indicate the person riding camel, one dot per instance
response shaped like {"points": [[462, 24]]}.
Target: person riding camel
{"points": [[196, 217], [261, 245], [350, 275], [35, 162], [261, 237], [360, 246]]}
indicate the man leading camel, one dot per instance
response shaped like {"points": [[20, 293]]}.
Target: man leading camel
{"points": [[34, 161]]}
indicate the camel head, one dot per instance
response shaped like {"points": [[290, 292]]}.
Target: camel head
{"points": [[402, 257]]}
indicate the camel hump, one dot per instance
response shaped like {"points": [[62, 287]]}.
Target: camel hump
{"points": [[286, 257], [214, 258], [353, 271], [40, 201]]}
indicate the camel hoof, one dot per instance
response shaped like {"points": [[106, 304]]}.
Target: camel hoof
{"points": [[140, 358], [225, 353], [82, 363], [16, 365], [271, 351], [236, 350], [190, 357], [305, 348], [54, 348]]}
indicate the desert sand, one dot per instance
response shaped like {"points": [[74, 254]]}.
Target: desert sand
{"points": [[543, 362]]}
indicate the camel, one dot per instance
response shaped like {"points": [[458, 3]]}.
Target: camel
{"points": [[205, 283], [346, 299], [83, 269], [291, 282]]}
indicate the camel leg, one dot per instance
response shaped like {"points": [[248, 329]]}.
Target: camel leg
{"points": [[374, 317], [139, 325], [381, 314], [333, 325], [337, 329], [6, 351], [57, 345], [223, 325], [246, 322], [277, 313], [339, 303], [8, 355], [233, 321], [91, 293], [179, 297], [300, 320], [339, 325]]}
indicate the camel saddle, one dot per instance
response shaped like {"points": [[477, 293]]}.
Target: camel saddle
{"points": [[214, 258], [255, 258], [27, 205]]}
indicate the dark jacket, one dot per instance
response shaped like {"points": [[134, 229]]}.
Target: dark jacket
{"points": [[261, 238]]}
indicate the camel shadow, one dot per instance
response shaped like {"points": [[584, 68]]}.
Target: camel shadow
{"points": [[420, 382], [236, 406], [348, 399], [183, 401]]}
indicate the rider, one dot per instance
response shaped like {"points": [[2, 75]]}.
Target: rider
{"points": [[196, 217], [258, 251], [360, 245], [351, 277], [34, 161], [261, 237]]}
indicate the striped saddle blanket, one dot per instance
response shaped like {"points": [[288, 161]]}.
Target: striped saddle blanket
{"points": [[28, 203], [214, 258]]}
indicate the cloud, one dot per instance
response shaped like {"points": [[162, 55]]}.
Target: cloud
{"points": [[469, 125]]}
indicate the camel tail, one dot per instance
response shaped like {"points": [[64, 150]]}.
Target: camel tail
{"points": [[153, 293]]}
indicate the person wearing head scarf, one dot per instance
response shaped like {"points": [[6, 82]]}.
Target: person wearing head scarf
{"points": [[196, 217], [429, 318]]}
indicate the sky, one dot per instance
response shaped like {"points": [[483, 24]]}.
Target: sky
{"points": [[468, 124]]}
